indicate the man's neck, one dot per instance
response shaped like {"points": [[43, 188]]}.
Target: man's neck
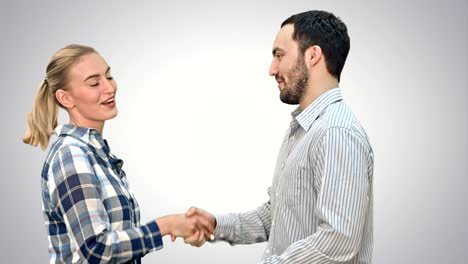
{"points": [[315, 89]]}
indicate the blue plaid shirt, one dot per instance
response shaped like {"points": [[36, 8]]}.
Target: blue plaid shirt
{"points": [[89, 211]]}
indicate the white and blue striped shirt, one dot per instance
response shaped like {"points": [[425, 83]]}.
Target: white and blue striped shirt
{"points": [[320, 206]]}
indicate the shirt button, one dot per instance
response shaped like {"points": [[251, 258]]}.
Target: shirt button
{"points": [[282, 165]]}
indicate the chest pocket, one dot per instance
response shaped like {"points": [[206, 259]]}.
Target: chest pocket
{"points": [[294, 184], [119, 210]]}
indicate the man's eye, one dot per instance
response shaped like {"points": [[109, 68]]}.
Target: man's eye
{"points": [[110, 78]]}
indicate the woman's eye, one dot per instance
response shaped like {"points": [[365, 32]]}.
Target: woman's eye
{"points": [[110, 78], [95, 84]]}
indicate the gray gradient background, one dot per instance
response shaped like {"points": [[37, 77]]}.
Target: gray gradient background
{"points": [[200, 121]]}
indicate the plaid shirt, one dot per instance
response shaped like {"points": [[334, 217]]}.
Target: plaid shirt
{"points": [[89, 211]]}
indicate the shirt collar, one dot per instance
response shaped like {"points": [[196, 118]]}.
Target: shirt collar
{"points": [[87, 135], [310, 114]]}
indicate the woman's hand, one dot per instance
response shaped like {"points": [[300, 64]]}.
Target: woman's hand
{"points": [[194, 229]]}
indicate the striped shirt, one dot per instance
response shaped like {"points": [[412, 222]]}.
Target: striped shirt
{"points": [[320, 202], [90, 213]]}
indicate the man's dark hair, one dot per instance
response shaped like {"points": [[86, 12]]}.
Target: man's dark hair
{"points": [[325, 30]]}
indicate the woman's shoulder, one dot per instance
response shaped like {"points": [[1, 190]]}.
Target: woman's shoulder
{"points": [[64, 150], [68, 143], [66, 146]]}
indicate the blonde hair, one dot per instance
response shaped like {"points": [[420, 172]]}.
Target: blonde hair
{"points": [[42, 120]]}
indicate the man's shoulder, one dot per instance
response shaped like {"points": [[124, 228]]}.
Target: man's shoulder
{"points": [[338, 115]]}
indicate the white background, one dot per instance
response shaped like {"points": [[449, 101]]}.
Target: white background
{"points": [[200, 121]]}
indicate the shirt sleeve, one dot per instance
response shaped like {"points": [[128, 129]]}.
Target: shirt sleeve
{"points": [[342, 162], [245, 228], [75, 189]]}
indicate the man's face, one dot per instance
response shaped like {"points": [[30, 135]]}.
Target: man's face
{"points": [[288, 67]]}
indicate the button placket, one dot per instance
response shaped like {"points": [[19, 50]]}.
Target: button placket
{"points": [[291, 138]]}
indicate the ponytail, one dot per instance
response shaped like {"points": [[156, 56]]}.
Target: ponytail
{"points": [[42, 120]]}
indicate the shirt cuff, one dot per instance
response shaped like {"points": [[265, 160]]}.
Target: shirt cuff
{"points": [[152, 238], [225, 227]]}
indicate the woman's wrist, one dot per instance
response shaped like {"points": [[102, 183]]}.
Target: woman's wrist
{"points": [[164, 225]]}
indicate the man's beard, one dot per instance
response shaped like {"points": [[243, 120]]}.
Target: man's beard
{"points": [[298, 77]]}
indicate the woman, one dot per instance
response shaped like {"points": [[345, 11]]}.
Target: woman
{"points": [[89, 211]]}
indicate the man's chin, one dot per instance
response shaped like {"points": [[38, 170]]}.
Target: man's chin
{"points": [[287, 99]]}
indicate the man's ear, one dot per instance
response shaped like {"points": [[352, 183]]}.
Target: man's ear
{"points": [[64, 98], [313, 55]]}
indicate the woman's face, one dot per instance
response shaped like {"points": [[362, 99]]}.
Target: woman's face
{"points": [[92, 92]]}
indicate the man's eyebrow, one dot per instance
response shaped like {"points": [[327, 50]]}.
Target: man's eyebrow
{"points": [[96, 75]]}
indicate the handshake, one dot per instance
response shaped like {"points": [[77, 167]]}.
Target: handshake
{"points": [[196, 226]]}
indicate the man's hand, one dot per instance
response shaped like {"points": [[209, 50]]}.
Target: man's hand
{"points": [[205, 222]]}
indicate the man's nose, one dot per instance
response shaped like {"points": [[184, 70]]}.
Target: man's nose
{"points": [[273, 68]]}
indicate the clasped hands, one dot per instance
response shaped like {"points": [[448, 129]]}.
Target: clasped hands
{"points": [[196, 226]]}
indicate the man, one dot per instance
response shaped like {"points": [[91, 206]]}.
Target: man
{"points": [[320, 206]]}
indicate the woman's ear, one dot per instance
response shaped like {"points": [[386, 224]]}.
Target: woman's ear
{"points": [[313, 55], [64, 98]]}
